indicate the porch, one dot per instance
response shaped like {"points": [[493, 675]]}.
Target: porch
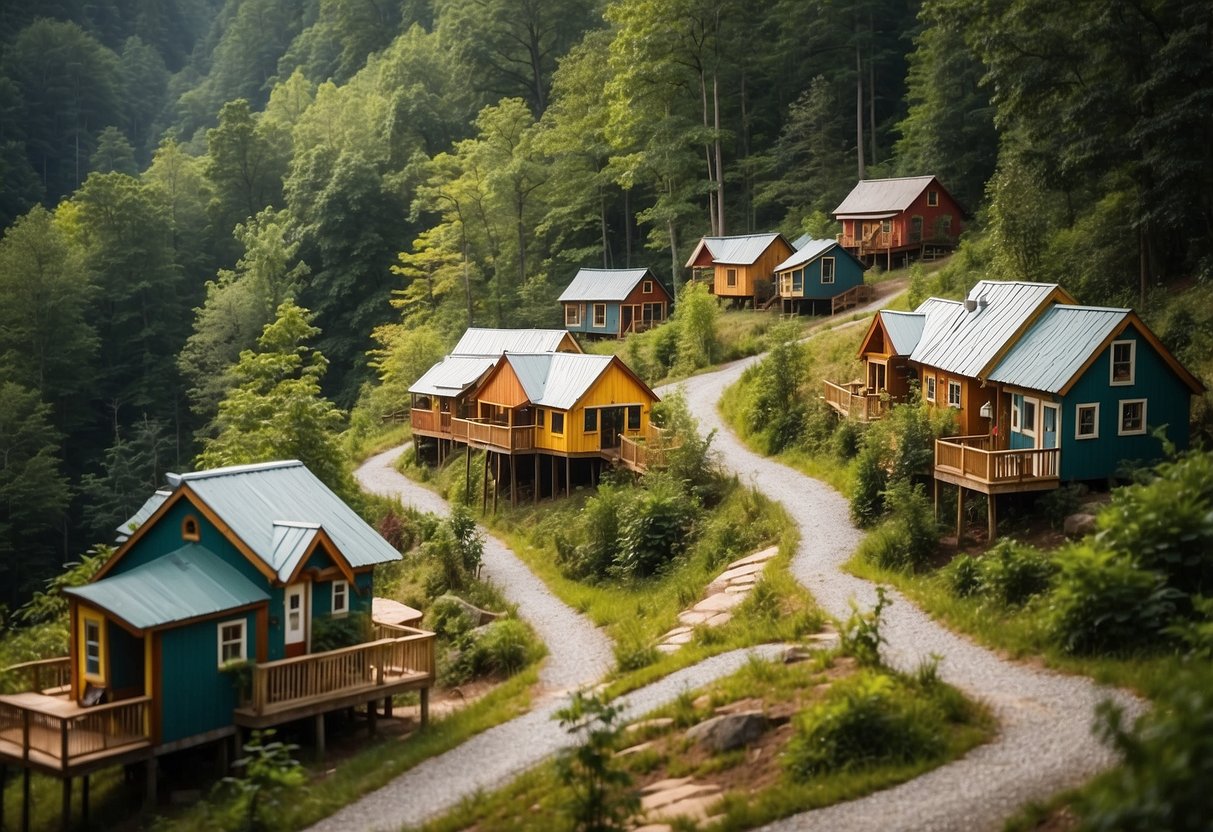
{"points": [[430, 423], [640, 453], [972, 462], [853, 400], [494, 436], [51, 733]]}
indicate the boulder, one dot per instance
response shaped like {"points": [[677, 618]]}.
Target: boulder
{"points": [[729, 731], [476, 616], [1079, 525]]}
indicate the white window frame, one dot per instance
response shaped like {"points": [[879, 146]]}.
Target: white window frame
{"points": [[572, 314], [646, 287], [92, 648], [241, 642], [1078, 411], [1023, 423], [955, 385], [1132, 345], [341, 590], [930, 387], [824, 280], [597, 307], [1016, 403], [1120, 418]]}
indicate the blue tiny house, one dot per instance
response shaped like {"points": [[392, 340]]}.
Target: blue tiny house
{"points": [[816, 274], [243, 599], [614, 302]]}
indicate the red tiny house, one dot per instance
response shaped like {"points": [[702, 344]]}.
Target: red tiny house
{"points": [[899, 219]]}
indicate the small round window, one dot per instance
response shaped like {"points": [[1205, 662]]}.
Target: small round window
{"points": [[189, 528]]}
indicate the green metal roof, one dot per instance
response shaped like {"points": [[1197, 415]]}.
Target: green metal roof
{"points": [[187, 583], [560, 379], [1056, 347], [257, 501]]}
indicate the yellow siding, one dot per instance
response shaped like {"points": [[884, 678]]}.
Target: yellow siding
{"points": [[761, 269], [502, 388], [615, 387]]}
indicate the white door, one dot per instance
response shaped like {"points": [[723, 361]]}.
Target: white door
{"points": [[295, 602]]}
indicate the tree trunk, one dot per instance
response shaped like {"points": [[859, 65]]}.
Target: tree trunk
{"points": [[859, 107], [720, 226], [707, 152], [602, 218], [627, 228], [871, 98]]}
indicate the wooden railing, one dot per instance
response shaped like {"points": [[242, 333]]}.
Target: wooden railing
{"points": [[401, 652], [850, 401], [972, 458], [67, 737], [497, 437], [43, 676], [431, 421], [644, 452], [851, 297]]}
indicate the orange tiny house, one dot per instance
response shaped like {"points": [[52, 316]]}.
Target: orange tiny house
{"points": [[741, 268]]}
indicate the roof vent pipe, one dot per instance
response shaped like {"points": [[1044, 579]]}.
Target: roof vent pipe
{"points": [[970, 305], [983, 302]]}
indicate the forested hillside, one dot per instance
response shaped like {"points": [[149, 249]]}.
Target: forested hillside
{"points": [[370, 176]]}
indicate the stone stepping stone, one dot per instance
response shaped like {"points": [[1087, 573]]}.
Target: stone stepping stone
{"points": [[719, 602], [665, 797], [655, 722], [696, 808], [685, 637], [737, 590], [739, 571], [757, 557], [693, 617], [635, 749], [719, 619], [667, 649], [668, 783], [654, 827], [677, 631]]}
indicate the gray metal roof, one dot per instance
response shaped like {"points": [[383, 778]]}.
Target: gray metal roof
{"points": [[252, 499], [739, 250], [811, 251], [493, 342], [958, 341], [601, 284], [801, 241], [903, 328], [557, 380], [872, 196], [187, 583], [452, 375], [1052, 352], [145, 511]]}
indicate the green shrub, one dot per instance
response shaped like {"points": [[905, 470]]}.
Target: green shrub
{"points": [[598, 528], [867, 498], [601, 797], [469, 542], [329, 633], [1011, 573], [846, 438], [908, 538], [1060, 503], [656, 527], [866, 720], [963, 576], [505, 647], [860, 636], [776, 409]]}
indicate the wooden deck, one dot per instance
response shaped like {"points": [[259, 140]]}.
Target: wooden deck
{"points": [[851, 298], [430, 423], [493, 437], [642, 453], [56, 735], [970, 462], [851, 402]]}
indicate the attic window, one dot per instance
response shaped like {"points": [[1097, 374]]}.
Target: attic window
{"points": [[647, 287], [189, 528], [1124, 354], [932, 198]]}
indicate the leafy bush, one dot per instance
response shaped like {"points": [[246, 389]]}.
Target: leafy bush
{"points": [[871, 479], [505, 647], [866, 720], [656, 527], [329, 633], [469, 542], [602, 798], [599, 528], [860, 636], [846, 438], [1011, 573], [776, 408], [909, 536], [963, 576]]}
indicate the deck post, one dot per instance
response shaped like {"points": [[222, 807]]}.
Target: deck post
{"points": [[65, 810], [513, 483], [535, 482], [372, 718], [555, 486], [425, 707], [319, 735], [25, 798], [960, 514], [467, 472], [935, 485], [568, 477], [149, 797], [387, 707], [496, 483], [84, 801], [992, 502], [484, 485]]}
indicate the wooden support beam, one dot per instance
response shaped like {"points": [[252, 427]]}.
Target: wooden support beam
{"points": [[555, 489], [25, 798], [535, 482], [513, 484], [484, 485], [150, 788], [425, 707], [387, 707], [992, 515], [319, 735], [960, 514], [65, 806], [84, 801], [496, 482], [568, 477], [372, 718], [935, 485]]}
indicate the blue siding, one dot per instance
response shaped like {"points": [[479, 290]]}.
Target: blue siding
{"points": [[611, 327], [196, 697], [847, 275], [1167, 403], [125, 660]]}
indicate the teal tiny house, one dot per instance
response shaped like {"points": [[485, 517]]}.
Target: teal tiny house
{"points": [[242, 597], [816, 274]]}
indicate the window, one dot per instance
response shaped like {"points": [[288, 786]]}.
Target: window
{"points": [[591, 419], [572, 315], [1016, 405], [1027, 419], [886, 226], [231, 642], [539, 416], [915, 229], [730, 277], [189, 528], [1123, 355], [798, 281], [600, 314], [827, 270], [1132, 417], [647, 287], [953, 394], [945, 225], [930, 388], [341, 597], [634, 417], [1086, 421], [933, 198], [92, 647], [557, 423]]}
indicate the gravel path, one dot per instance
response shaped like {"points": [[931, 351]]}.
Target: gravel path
{"points": [[1045, 742]]}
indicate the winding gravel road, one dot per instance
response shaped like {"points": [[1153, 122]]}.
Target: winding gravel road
{"points": [[1044, 744]]}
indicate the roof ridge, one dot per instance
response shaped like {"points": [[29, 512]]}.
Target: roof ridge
{"points": [[230, 470], [900, 178]]}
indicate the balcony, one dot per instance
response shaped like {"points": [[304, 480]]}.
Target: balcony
{"points": [[399, 659], [494, 437], [640, 453], [852, 401], [970, 461], [431, 423], [56, 735]]}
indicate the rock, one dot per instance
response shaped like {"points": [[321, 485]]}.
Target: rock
{"points": [[729, 731], [693, 617], [656, 722], [473, 613], [184, 797], [719, 619], [665, 785], [719, 602], [635, 749], [793, 655], [1079, 525], [656, 800], [757, 557]]}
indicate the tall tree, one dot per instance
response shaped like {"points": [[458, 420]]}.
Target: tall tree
{"points": [[144, 94], [131, 470], [176, 184], [114, 154]]}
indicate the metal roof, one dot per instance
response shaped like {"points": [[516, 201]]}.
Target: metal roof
{"points": [[187, 583], [740, 250], [958, 341], [1052, 352], [903, 328], [145, 511], [493, 342], [812, 250], [452, 375], [557, 380], [601, 284], [254, 500], [801, 241], [871, 196]]}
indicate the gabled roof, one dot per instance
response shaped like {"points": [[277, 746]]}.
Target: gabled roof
{"points": [[1065, 341], [560, 380], [452, 375], [145, 511], [602, 284], [811, 251], [801, 241], [189, 582], [491, 343], [969, 343], [739, 250], [887, 197], [903, 328]]}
